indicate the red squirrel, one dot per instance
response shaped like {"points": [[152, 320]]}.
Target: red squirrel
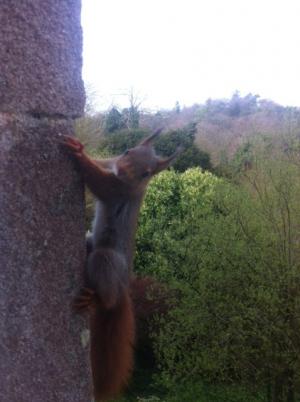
{"points": [[119, 185]]}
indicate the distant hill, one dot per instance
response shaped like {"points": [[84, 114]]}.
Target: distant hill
{"points": [[223, 125]]}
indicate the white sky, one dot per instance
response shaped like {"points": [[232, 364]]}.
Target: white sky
{"points": [[188, 51]]}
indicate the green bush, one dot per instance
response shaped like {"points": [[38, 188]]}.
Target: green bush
{"points": [[231, 254], [191, 156], [119, 141], [115, 143]]}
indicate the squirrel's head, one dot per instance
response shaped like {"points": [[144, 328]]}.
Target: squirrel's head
{"points": [[136, 166]]}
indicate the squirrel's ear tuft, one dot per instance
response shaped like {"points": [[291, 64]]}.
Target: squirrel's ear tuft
{"points": [[149, 140], [163, 164]]}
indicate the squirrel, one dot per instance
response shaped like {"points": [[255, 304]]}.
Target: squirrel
{"points": [[119, 185]]}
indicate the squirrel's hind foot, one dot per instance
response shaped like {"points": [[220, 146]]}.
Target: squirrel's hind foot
{"points": [[86, 300]]}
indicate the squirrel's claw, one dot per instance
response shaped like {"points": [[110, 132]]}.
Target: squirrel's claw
{"points": [[85, 301], [72, 144]]}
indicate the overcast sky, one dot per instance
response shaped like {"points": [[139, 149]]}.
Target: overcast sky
{"points": [[191, 50]]}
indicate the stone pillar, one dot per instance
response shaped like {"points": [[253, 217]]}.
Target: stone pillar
{"points": [[44, 353]]}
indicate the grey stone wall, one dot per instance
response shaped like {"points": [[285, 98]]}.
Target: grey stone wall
{"points": [[44, 352], [40, 57]]}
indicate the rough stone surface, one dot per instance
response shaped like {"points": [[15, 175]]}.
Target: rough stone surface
{"points": [[40, 57], [43, 348]]}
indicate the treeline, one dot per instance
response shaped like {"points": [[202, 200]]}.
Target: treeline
{"points": [[220, 126], [218, 246]]}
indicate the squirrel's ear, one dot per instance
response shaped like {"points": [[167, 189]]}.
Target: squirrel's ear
{"points": [[163, 164], [149, 140]]}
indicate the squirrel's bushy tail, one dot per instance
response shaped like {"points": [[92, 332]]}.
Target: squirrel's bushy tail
{"points": [[112, 339]]}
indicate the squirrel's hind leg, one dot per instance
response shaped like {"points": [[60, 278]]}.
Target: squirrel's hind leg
{"points": [[86, 300]]}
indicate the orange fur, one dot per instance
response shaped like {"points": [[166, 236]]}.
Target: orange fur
{"points": [[119, 185], [112, 339]]}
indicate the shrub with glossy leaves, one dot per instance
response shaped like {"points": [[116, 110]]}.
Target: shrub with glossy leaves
{"points": [[231, 255]]}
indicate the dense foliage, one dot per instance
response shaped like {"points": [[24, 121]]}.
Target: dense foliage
{"points": [[191, 156], [117, 142], [232, 254]]}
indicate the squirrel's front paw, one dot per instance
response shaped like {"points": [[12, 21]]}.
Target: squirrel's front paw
{"points": [[73, 145]]}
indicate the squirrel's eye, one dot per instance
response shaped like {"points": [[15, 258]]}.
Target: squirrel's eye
{"points": [[145, 174], [126, 152]]}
